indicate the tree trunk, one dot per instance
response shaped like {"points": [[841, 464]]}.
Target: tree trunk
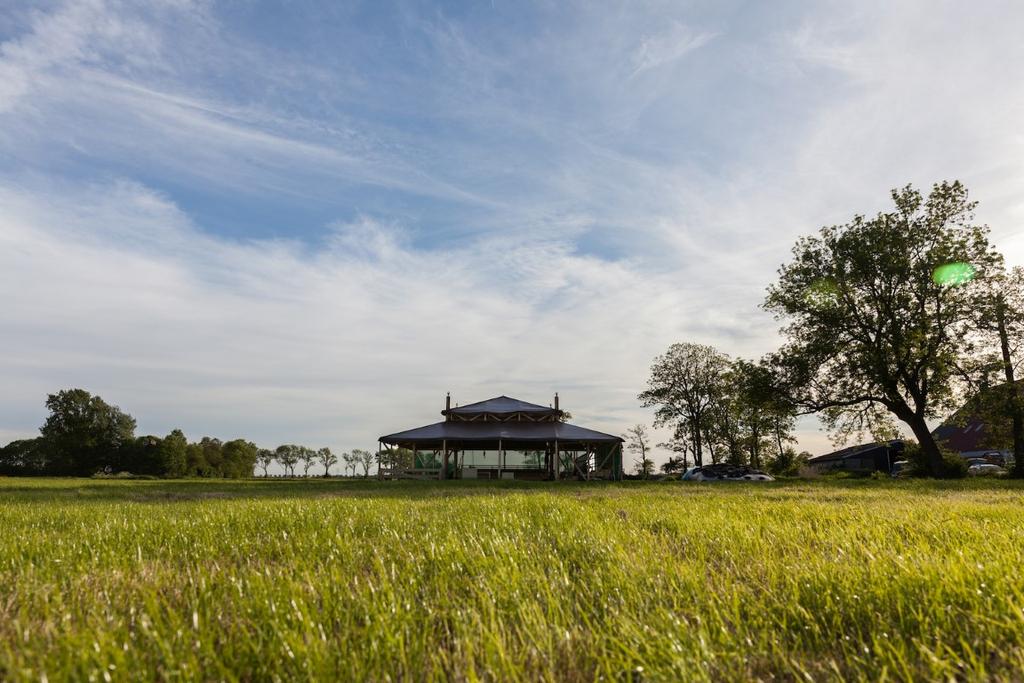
{"points": [[1018, 435], [932, 455], [730, 436], [711, 449], [1014, 399], [698, 450]]}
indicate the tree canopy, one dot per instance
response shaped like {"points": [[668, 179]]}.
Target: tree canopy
{"points": [[683, 387], [994, 377], [717, 404], [83, 433], [876, 312]]}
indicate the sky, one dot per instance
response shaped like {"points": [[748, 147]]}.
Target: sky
{"points": [[307, 222]]}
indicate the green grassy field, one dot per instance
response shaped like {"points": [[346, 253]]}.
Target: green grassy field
{"points": [[401, 580]]}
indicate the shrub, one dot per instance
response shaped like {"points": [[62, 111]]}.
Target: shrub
{"points": [[789, 463], [953, 466], [122, 475]]}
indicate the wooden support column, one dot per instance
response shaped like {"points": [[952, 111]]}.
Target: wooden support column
{"points": [[557, 459], [380, 461], [501, 458], [443, 474]]}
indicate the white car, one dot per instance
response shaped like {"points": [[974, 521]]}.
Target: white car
{"points": [[725, 473], [983, 468]]}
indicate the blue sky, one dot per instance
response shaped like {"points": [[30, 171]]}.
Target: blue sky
{"points": [[307, 221]]}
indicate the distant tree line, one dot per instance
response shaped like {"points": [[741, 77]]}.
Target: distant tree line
{"points": [[84, 435]]}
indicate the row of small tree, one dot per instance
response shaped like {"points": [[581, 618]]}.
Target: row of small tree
{"points": [[290, 456], [899, 318]]}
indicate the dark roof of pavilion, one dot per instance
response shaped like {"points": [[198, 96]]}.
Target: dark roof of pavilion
{"points": [[492, 431], [499, 405]]}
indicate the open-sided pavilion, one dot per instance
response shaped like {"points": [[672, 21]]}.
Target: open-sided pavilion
{"points": [[502, 438]]}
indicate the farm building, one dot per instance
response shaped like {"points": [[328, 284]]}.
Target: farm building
{"points": [[862, 459], [501, 438], [968, 438], [972, 436]]}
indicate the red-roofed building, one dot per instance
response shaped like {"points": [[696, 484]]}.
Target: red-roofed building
{"points": [[969, 435]]}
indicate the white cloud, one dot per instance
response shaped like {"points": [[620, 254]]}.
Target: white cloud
{"points": [[670, 44], [271, 341], [77, 33]]}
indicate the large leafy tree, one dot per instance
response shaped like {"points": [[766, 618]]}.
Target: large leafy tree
{"points": [[999, 397], [876, 313], [83, 433], [684, 387]]}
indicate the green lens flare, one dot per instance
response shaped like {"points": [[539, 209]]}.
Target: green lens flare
{"points": [[953, 274]]}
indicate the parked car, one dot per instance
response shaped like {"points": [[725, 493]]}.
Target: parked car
{"points": [[997, 458], [985, 469], [726, 473]]}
